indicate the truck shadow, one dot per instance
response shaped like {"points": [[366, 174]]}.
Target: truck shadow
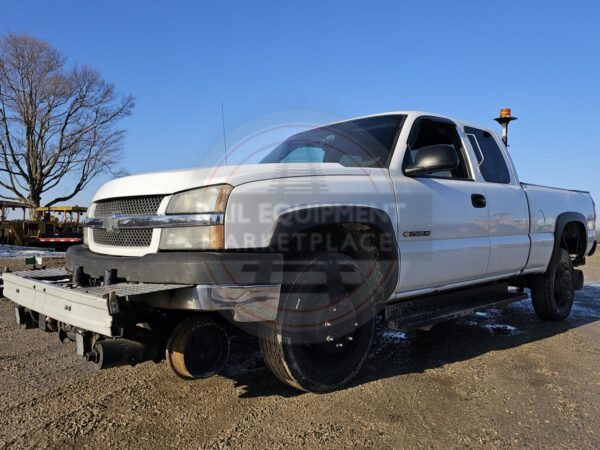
{"points": [[395, 353]]}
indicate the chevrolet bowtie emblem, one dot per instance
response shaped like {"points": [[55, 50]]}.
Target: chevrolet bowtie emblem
{"points": [[111, 223]]}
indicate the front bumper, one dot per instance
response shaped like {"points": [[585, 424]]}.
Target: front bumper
{"points": [[197, 267], [105, 309]]}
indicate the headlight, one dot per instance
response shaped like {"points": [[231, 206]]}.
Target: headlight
{"points": [[208, 237], [203, 200]]}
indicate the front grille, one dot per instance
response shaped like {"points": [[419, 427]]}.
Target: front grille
{"points": [[129, 206], [123, 238]]}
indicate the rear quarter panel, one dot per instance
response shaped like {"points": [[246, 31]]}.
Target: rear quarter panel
{"points": [[545, 206]]}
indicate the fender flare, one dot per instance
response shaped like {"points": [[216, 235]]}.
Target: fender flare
{"points": [[561, 222], [300, 220]]}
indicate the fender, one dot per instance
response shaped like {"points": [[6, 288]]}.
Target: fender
{"points": [[561, 221], [298, 221]]}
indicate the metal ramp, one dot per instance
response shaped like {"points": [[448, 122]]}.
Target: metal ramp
{"points": [[61, 276], [45, 274], [51, 292]]}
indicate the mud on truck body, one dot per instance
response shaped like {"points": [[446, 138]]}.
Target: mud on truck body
{"points": [[410, 218]]}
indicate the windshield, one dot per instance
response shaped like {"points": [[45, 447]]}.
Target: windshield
{"points": [[358, 143]]}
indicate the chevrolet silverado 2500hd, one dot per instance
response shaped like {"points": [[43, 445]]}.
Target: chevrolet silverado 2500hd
{"points": [[410, 217]]}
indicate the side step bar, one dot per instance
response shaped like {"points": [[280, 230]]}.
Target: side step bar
{"points": [[424, 312]]}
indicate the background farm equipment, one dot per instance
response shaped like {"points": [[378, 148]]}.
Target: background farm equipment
{"points": [[55, 227]]}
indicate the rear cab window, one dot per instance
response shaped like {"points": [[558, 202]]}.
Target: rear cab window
{"points": [[490, 159]]}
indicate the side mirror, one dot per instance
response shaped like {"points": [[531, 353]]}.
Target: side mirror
{"points": [[433, 158]]}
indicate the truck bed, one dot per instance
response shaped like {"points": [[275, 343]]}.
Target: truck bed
{"points": [[546, 204]]}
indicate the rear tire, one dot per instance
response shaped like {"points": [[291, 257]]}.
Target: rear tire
{"points": [[553, 292], [325, 323]]}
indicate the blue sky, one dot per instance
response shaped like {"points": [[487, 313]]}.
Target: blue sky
{"points": [[339, 59]]}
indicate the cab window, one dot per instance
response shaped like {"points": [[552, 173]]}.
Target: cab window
{"points": [[431, 131], [489, 156]]}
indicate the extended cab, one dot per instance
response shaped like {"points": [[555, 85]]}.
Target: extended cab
{"points": [[408, 216]]}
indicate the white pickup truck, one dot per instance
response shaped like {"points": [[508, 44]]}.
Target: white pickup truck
{"points": [[410, 217]]}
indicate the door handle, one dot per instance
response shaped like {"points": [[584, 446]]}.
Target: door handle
{"points": [[478, 200]]}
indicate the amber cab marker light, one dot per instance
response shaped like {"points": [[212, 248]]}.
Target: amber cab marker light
{"points": [[504, 119]]}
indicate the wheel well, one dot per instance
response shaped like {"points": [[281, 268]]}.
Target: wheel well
{"points": [[362, 241], [574, 240], [353, 239]]}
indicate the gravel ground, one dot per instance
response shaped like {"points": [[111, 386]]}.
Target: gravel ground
{"points": [[497, 379]]}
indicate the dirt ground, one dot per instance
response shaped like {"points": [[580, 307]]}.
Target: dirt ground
{"points": [[497, 379]]}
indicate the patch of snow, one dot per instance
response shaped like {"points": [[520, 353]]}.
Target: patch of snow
{"points": [[15, 251], [390, 336], [471, 323], [491, 325], [501, 328]]}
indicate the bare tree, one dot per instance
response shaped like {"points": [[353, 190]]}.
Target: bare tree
{"points": [[58, 124]]}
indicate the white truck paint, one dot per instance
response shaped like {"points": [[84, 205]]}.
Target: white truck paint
{"points": [[466, 245], [545, 205]]}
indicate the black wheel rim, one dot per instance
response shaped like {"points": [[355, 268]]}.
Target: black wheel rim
{"points": [[330, 353], [563, 286], [338, 321]]}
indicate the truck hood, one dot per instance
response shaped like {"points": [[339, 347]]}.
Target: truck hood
{"points": [[169, 182]]}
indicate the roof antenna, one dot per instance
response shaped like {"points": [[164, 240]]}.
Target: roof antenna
{"points": [[224, 139]]}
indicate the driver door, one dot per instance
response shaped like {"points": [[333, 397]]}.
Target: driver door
{"points": [[443, 218]]}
